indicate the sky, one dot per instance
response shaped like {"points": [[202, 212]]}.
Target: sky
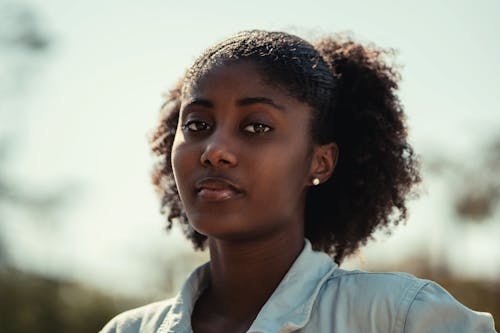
{"points": [[87, 114]]}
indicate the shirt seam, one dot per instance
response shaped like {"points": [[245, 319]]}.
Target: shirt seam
{"points": [[398, 274], [402, 315]]}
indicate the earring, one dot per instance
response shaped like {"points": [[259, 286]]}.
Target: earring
{"points": [[315, 181]]}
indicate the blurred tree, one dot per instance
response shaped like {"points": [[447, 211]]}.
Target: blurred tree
{"points": [[475, 195], [28, 301], [472, 199], [22, 44], [481, 195], [14, 196]]}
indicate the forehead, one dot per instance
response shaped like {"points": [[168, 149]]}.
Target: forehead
{"points": [[237, 76], [231, 83]]}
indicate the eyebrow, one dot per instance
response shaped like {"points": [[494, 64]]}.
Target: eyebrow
{"points": [[241, 102], [259, 100], [201, 102]]}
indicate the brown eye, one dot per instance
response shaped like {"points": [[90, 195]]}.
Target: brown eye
{"points": [[195, 126], [257, 128]]}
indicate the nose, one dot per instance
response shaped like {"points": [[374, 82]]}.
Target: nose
{"points": [[218, 153]]}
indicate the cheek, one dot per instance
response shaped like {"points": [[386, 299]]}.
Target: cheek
{"points": [[284, 177], [292, 172], [181, 161], [175, 160]]}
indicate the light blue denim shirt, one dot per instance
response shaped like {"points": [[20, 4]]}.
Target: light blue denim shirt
{"points": [[316, 296]]}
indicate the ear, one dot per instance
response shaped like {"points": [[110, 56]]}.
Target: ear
{"points": [[323, 162]]}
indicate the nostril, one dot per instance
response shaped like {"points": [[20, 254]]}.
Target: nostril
{"points": [[220, 156]]}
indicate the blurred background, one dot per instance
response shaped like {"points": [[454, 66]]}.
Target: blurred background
{"points": [[81, 83]]}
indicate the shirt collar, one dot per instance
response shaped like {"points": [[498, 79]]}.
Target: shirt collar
{"points": [[288, 308]]}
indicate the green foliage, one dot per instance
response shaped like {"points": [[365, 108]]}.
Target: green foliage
{"points": [[30, 303]]}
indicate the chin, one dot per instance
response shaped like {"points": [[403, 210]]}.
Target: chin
{"points": [[224, 228]]}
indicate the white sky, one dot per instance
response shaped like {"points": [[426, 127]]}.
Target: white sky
{"points": [[97, 96]]}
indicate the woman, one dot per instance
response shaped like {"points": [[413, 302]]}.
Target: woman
{"points": [[271, 147]]}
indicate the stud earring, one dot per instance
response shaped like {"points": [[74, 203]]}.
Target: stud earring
{"points": [[315, 181]]}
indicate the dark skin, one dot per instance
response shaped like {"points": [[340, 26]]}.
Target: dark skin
{"points": [[243, 160]]}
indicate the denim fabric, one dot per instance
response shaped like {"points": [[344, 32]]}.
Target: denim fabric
{"points": [[317, 296]]}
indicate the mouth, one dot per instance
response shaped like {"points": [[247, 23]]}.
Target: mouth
{"points": [[217, 189]]}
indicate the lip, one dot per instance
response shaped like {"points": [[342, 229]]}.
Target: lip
{"points": [[217, 189]]}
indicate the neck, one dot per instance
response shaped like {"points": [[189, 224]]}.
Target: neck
{"points": [[246, 273]]}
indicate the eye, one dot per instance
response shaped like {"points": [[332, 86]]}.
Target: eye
{"points": [[195, 126], [257, 128]]}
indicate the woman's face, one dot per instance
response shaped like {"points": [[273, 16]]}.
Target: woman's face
{"points": [[242, 155]]}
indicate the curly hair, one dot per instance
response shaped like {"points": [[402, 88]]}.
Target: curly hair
{"points": [[351, 90]]}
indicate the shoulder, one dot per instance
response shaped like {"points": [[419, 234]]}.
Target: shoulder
{"points": [[433, 309], [400, 302], [377, 283], [392, 289], [374, 302], [146, 318]]}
